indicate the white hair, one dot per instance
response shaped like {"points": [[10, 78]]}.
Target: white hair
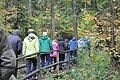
{"points": [[44, 33]]}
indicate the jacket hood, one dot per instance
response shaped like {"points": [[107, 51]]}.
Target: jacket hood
{"points": [[16, 32], [44, 37], [31, 36], [84, 39], [73, 39]]}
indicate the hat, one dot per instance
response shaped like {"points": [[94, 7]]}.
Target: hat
{"points": [[16, 32], [44, 33], [31, 35], [30, 30]]}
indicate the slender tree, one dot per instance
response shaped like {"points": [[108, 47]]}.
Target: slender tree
{"points": [[74, 19], [94, 4], [112, 24], [53, 19], [30, 11]]}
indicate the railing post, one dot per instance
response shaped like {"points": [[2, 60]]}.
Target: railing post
{"points": [[58, 62], [68, 58], [15, 74], [38, 66]]}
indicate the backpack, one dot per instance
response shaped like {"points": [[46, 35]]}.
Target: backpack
{"points": [[87, 42]]}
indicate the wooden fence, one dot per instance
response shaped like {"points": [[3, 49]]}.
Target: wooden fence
{"points": [[39, 68]]}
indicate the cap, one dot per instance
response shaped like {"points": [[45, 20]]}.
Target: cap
{"points": [[30, 30]]}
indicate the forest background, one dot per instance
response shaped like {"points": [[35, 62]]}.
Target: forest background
{"points": [[78, 18]]}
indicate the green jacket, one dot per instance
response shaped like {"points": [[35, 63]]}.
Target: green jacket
{"points": [[45, 44]]}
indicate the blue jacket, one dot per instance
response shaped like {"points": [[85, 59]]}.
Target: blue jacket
{"points": [[15, 41], [87, 42], [73, 44]]}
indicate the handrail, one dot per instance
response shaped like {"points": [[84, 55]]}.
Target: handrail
{"points": [[40, 52], [36, 71], [39, 68]]}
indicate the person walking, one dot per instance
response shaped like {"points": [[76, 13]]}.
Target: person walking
{"points": [[54, 54], [16, 43], [7, 57], [73, 47], [61, 45], [45, 46], [66, 48], [30, 46]]}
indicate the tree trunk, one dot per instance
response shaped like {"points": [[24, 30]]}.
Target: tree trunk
{"points": [[115, 61], [75, 20], [53, 19], [30, 11], [94, 4], [112, 24]]}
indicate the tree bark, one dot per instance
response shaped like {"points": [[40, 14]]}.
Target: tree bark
{"points": [[75, 20], [94, 4], [30, 11], [53, 19], [112, 24], [115, 61]]}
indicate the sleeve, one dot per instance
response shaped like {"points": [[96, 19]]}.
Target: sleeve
{"points": [[37, 45], [57, 46], [76, 44], [24, 48], [51, 46], [64, 45], [19, 49]]}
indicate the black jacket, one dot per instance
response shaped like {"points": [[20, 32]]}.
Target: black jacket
{"points": [[61, 45], [16, 42], [7, 57]]}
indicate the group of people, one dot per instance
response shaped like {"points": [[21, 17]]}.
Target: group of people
{"points": [[32, 44]]}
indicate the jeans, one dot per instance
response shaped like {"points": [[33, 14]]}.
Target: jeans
{"points": [[45, 60], [31, 64], [53, 60], [72, 54], [61, 58]]}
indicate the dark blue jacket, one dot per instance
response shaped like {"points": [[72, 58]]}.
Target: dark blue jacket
{"points": [[73, 44], [16, 42]]}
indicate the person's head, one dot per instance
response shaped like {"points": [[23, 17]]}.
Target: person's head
{"points": [[16, 32], [31, 35], [44, 33], [66, 40], [54, 40], [31, 31]]}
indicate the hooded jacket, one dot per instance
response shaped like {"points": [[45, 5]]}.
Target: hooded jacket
{"points": [[30, 45], [16, 41], [81, 43], [61, 45], [73, 44], [55, 47], [45, 44], [7, 57]]}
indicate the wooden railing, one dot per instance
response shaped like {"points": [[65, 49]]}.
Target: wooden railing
{"points": [[38, 70]]}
